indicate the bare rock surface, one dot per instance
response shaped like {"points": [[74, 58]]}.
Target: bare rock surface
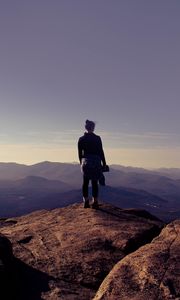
{"points": [[152, 272], [66, 253]]}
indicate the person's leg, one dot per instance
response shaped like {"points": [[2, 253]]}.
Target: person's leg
{"points": [[85, 191], [95, 193]]}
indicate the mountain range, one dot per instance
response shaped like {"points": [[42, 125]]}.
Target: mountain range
{"points": [[49, 185]]}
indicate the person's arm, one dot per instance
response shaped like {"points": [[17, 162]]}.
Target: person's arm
{"points": [[80, 150], [102, 153]]}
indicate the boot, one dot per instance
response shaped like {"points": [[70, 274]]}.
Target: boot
{"points": [[95, 203], [86, 202]]}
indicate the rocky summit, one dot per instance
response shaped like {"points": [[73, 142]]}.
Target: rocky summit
{"points": [[152, 272], [67, 253]]}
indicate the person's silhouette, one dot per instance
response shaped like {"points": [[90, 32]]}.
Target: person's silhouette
{"points": [[92, 160]]}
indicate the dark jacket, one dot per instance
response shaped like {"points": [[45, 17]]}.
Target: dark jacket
{"points": [[90, 144]]}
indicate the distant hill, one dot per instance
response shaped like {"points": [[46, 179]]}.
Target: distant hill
{"points": [[65, 172], [173, 173], [30, 193], [41, 184], [26, 188], [151, 182]]}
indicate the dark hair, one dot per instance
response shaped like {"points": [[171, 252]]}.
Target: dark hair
{"points": [[90, 125]]}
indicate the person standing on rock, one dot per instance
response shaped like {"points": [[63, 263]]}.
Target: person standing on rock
{"points": [[92, 160]]}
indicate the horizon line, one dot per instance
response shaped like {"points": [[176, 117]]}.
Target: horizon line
{"points": [[76, 162]]}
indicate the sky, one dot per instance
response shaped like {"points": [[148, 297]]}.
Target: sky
{"points": [[114, 62]]}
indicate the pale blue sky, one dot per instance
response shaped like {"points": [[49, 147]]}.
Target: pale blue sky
{"points": [[115, 62]]}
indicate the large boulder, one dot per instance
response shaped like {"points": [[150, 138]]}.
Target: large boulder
{"points": [[6, 268], [6, 253], [152, 272], [66, 253]]}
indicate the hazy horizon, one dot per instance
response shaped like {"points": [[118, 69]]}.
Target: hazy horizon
{"points": [[114, 62], [76, 162]]}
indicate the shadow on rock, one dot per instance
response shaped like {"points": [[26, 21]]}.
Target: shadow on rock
{"points": [[117, 212], [24, 282]]}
